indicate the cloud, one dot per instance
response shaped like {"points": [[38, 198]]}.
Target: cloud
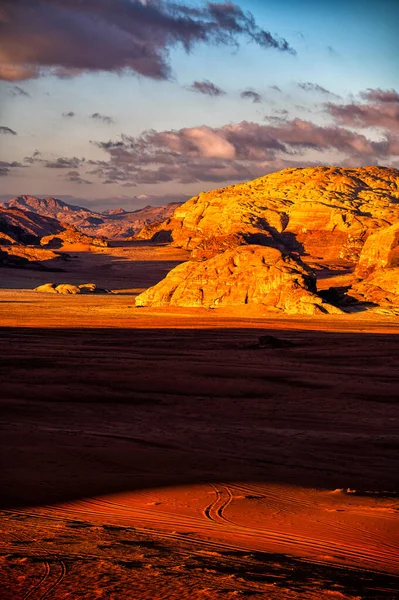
{"points": [[60, 162], [69, 114], [69, 37], [381, 110], [251, 95], [206, 87], [307, 86], [6, 166], [275, 88], [7, 130], [34, 158], [18, 91], [380, 96], [74, 177], [63, 163], [233, 152], [103, 118]]}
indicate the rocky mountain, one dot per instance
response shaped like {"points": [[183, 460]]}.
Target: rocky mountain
{"points": [[112, 224], [321, 212], [32, 237], [21, 226], [330, 215]]}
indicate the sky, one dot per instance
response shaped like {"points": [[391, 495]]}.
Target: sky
{"points": [[126, 103]]}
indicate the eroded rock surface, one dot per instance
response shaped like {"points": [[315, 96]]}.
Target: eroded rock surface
{"points": [[380, 251], [69, 288], [249, 274], [71, 236], [321, 212]]}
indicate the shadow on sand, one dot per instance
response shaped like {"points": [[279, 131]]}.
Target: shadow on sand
{"points": [[88, 412]]}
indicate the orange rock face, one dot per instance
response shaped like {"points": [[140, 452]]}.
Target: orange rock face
{"points": [[380, 251], [378, 268], [322, 212], [71, 236], [245, 275]]}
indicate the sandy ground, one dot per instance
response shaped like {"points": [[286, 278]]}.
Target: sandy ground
{"points": [[163, 454]]}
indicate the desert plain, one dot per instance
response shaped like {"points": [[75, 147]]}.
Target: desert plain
{"points": [[160, 453]]}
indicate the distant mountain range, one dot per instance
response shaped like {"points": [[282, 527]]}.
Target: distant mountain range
{"points": [[111, 224]]}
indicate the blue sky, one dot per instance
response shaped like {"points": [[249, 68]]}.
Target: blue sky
{"points": [[344, 47]]}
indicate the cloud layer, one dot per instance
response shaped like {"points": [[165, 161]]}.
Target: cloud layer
{"points": [[68, 37], [234, 152]]}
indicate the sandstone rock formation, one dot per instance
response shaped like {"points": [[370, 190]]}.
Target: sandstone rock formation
{"points": [[380, 251], [71, 235], [380, 288], [320, 212], [245, 275], [69, 288]]}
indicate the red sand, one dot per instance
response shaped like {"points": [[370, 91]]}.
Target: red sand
{"points": [[162, 454]]}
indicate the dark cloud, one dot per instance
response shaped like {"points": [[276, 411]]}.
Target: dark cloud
{"points": [[69, 114], [206, 87], [18, 91], [233, 152], [63, 163], [34, 158], [6, 166], [381, 110], [7, 130], [307, 86], [103, 118], [275, 88], [58, 163], [74, 177], [68, 37], [252, 95], [380, 96]]}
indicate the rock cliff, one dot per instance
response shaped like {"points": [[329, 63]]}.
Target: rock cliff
{"points": [[320, 212]]}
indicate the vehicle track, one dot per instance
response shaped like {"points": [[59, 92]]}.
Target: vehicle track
{"points": [[377, 552], [40, 583], [219, 546], [56, 582]]}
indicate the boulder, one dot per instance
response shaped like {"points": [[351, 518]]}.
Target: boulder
{"points": [[67, 288], [48, 288], [246, 275]]}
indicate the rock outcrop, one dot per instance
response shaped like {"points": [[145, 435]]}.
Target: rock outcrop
{"points": [[245, 275], [69, 288], [380, 288], [380, 251], [320, 212], [70, 236]]}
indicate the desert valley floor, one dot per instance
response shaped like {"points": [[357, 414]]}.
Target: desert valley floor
{"points": [[164, 453]]}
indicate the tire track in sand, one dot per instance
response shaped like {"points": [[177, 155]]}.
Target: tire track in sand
{"points": [[56, 583], [40, 583]]}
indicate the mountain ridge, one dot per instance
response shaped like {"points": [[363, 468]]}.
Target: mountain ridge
{"points": [[111, 224]]}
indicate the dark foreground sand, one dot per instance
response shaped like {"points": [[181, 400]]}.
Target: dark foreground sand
{"points": [[163, 454]]}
